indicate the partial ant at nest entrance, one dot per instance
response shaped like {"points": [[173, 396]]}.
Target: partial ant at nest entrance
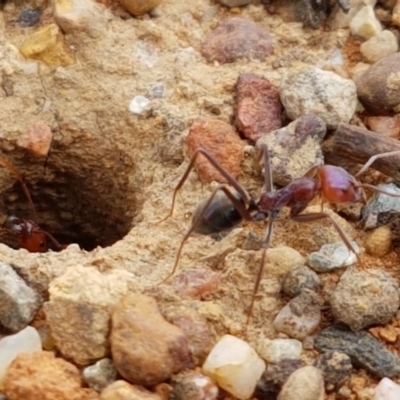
{"points": [[226, 208]]}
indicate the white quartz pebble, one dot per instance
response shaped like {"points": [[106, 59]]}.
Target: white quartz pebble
{"points": [[26, 340], [235, 366], [365, 24], [379, 46], [138, 104], [278, 350], [387, 390]]}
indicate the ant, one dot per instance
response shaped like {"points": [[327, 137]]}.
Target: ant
{"points": [[28, 233], [226, 208]]}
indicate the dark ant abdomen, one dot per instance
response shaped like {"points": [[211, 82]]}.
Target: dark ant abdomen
{"points": [[220, 216]]}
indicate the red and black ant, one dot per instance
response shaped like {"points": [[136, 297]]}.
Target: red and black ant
{"points": [[225, 208], [28, 233]]}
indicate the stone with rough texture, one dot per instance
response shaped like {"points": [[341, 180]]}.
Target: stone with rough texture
{"points": [[25, 341], [121, 390], [234, 366], [221, 140], [40, 375], [76, 308], [365, 24], [336, 368], [364, 350], [387, 390], [47, 45], [379, 242], [259, 108], [37, 139], [237, 38], [307, 383], [277, 350], [193, 386], [396, 14], [100, 375], [139, 7], [295, 148], [146, 349], [80, 16], [364, 298], [274, 377], [300, 317], [300, 278], [18, 302], [378, 88], [385, 125], [310, 90], [379, 46]]}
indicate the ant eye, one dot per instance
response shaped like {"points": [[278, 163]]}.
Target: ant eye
{"points": [[41, 244]]}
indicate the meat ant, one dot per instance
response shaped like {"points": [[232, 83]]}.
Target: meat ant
{"points": [[225, 208], [28, 233]]}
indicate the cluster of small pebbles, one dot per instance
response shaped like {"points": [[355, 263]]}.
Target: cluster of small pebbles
{"points": [[92, 334]]}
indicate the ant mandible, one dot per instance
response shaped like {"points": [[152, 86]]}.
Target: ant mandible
{"points": [[225, 208]]}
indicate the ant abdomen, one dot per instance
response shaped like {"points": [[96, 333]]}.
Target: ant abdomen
{"points": [[221, 215]]}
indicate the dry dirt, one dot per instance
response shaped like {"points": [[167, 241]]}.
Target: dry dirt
{"points": [[110, 174]]}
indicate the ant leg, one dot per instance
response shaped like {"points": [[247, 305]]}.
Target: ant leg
{"points": [[236, 203], [379, 190], [268, 183], [316, 216], [230, 179], [8, 165], [265, 245], [373, 159]]}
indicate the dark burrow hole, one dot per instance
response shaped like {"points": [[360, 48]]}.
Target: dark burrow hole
{"points": [[90, 206]]}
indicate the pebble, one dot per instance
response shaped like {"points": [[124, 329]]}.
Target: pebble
{"points": [[379, 242], [295, 148], [274, 377], [381, 209], [138, 104], [139, 7], [237, 38], [81, 16], [41, 375], [25, 341], [310, 90], [379, 46], [18, 302], [336, 368], [385, 125], [259, 108], [396, 14], [299, 278], [282, 259], [29, 17], [197, 282], [378, 88], [146, 349], [364, 350], [277, 350], [194, 386], [72, 300], [121, 390], [306, 383], [195, 328], [365, 24], [364, 298], [100, 375], [332, 256], [387, 390], [221, 140], [36, 139], [234, 366], [234, 3], [300, 317], [47, 45]]}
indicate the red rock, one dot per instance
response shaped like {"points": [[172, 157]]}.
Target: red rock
{"points": [[37, 139], [197, 282], [259, 107], [40, 375], [388, 126], [146, 349], [222, 141], [237, 38]]}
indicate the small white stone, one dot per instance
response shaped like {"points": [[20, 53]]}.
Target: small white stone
{"points": [[365, 24], [280, 349], [387, 390], [235, 366], [379, 46], [138, 104], [25, 341]]}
